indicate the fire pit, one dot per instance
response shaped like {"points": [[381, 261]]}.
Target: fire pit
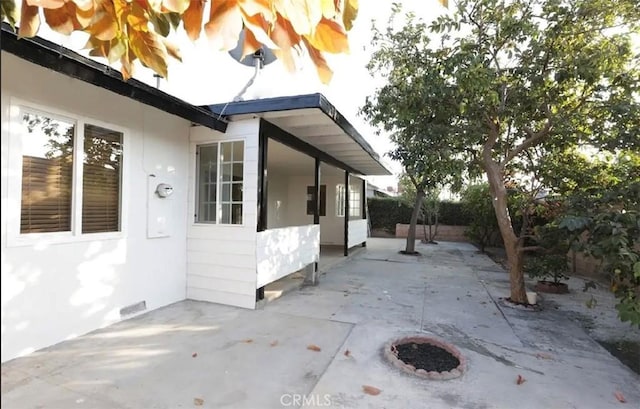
{"points": [[425, 357]]}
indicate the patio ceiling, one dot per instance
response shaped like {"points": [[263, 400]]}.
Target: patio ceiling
{"points": [[313, 120]]}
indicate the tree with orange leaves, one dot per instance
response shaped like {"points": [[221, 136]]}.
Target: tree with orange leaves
{"points": [[126, 30]]}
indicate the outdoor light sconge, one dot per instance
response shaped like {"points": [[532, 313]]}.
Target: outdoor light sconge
{"points": [[164, 190]]}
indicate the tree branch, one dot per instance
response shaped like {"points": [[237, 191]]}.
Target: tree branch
{"points": [[532, 140], [530, 248]]}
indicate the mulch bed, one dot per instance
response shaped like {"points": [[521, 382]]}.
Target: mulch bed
{"points": [[428, 357]]}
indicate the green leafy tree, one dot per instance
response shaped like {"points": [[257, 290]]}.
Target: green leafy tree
{"points": [[413, 108], [527, 77], [429, 209], [602, 215]]}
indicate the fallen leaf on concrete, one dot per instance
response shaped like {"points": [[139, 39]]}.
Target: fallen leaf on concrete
{"points": [[347, 353], [195, 354], [198, 401], [371, 390], [314, 348], [619, 396], [544, 355], [248, 341], [274, 343], [520, 380]]}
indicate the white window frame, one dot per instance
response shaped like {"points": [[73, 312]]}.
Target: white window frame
{"points": [[356, 204], [14, 189], [196, 192], [347, 197], [340, 204]]}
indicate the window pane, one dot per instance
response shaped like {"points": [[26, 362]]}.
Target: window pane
{"points": [[226, 172], [226, 151], [207, 180], [236, 192], [226, 192], [236, 214], [101, 175], [47, 174], [226, 213], [238, 151], [237, 172]]}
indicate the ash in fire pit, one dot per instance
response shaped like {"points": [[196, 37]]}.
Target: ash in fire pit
{"points": [[426, 357]]}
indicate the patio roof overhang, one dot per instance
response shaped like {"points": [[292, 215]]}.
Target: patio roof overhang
{"points": [[315, 121]]}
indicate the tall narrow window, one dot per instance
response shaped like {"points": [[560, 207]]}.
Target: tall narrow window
{"points": [[232, 180], [47, 174], [207, 183], [354, 202], [101, 178], [220, 183], [340, 200]]}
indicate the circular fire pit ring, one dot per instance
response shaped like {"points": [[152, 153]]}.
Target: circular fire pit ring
{"points": [[426, 357]]}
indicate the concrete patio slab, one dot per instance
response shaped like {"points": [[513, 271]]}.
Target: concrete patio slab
{"points": [[194, 354]]}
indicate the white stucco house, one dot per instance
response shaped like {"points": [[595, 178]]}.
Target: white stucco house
{"points": [[118, 198]]}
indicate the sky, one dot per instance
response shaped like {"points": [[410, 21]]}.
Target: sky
{"points": [[208, 76]]}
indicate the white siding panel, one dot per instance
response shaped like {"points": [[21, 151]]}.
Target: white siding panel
{"points": [[227, 286], [223, 246], [357, 232], [221, 259], [221, 297], [285, 250], [223, 272]]}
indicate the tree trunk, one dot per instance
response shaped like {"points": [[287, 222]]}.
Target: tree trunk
{"points": [[411, 235], [511, 243]]}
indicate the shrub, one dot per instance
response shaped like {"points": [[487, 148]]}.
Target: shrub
{"points": [[483, 226], [386, 212], [548, 267]]}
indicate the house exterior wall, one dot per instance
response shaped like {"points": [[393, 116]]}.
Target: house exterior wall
{"points": [[278, 203], [55, 289], [221, 259]]}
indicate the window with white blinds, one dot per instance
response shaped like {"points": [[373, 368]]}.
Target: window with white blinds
{"points": [[54, 186]]}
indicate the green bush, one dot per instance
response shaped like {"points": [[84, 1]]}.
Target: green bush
{"points": [[385, 213], [453, 214], [548, 267], [483, 226]]}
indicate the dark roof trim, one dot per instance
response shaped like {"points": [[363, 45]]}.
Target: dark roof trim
{"points": [[289, 103], [60, 59]]}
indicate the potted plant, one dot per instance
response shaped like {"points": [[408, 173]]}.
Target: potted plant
{"points": [[550, 270]]}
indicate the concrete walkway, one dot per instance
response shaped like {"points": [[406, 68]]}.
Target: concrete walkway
{"points": [[194, 354]]}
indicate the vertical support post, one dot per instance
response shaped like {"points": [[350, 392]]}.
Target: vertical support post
{"points": [[316, 194], [262, 191], [364, 207], [346, 213], [316, 205], [262, 180]]}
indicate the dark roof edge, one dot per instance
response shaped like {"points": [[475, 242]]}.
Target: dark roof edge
{"points": [[65, 61], [289, 103]]}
